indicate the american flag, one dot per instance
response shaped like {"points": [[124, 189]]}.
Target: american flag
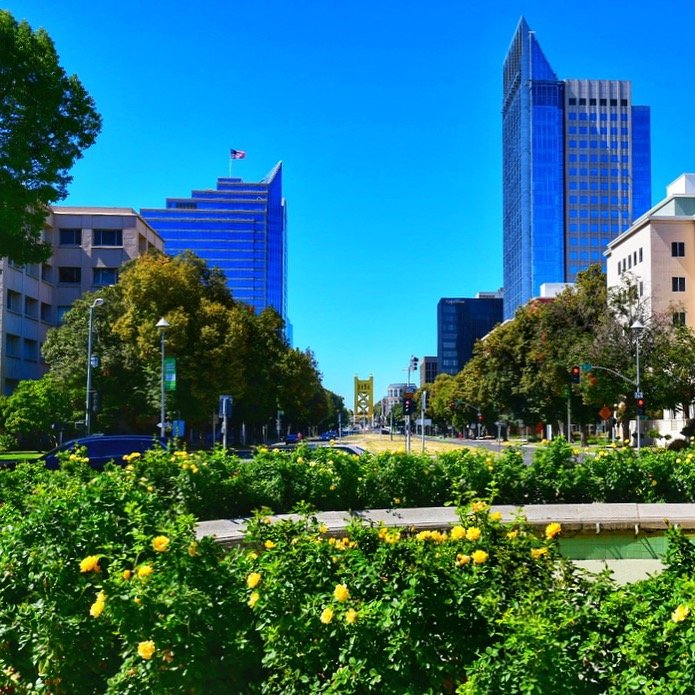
{"points": [[237, 154]]}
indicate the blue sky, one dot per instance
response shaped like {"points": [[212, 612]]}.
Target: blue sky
{"points": [[386, 116]]}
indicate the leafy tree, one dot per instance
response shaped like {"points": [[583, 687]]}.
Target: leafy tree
{"points": [[33, 408], [46, 120]]}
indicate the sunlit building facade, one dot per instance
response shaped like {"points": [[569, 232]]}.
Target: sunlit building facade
{"points": [[239, 227], [576, 169]]}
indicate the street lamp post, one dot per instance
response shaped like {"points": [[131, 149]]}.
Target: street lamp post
{"points": [[412, 366], [88, 399], [162, 325], [637, 327]]}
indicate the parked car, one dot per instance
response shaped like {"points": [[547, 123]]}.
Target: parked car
{"points": [[347, 448], [102, 448]]}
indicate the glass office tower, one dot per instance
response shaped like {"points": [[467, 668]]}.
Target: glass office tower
{"points": [[460, 322], [576, 169], [238, 227]]}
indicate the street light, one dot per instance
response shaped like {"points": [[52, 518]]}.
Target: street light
{"points": [[637, 327], [88, 399], [162, 325]]}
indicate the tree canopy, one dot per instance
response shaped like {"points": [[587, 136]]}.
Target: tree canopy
{"points": [[47, 119]]}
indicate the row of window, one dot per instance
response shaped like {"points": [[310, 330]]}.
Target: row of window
{"points": [[100, 237], [596, 159], [596, 185], [72, 275], [600, 171], [26, 348], [597, 144], [595, 200], [631, 259], [595, 130], [30, 307], [591, 101], [584, 116]]}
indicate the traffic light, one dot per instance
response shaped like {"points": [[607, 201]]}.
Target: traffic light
{"points": [[575, 373], [640, 404], [480, 417], [408, 405]]}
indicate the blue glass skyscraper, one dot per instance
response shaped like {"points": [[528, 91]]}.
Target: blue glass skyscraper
{"points": [[576, 169], [238, 227]]}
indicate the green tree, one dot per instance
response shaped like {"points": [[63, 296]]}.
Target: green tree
{"points": [[46, 120], [30, 412]]}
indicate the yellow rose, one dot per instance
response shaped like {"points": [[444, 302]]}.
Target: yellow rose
{"points": [[341, 593], [193, 549], [680, 614], [537, 553], [145, 571], [269, 545], [479, 557], [496, 516], [457, 533], [160, 543], [90, 564], [511, 535], [146, 649], [462, 559], [253, 580], [98, 606], [253, 599], [473, 533], [126, 574], [326, 616], [552, 530], [350, 616]]}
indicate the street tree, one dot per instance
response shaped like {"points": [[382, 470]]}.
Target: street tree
{"points": [[47, 120]]}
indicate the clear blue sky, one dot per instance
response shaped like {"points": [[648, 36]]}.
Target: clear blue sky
{"points": [[386, 116]]}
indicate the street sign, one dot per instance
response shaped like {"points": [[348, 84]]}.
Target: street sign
{"points": [[226, 406], [605, 412], [639, 394]]}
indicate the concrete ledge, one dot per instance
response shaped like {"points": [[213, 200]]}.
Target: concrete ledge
{"points": [[580, 518]]}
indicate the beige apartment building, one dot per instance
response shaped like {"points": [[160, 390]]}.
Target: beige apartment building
{"points": [[658, 251], [90, 245]]}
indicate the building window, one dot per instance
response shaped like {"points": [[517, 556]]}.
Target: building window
{"points": [[679, 318], [678, 284], [31, 307], [31, 350], [107, 237], [14, 301], [46, 272], [640, 254], [12, 344], [71, 237], [69, 275], [45, 312], [105, 276], [678, 248], [60, 313]]}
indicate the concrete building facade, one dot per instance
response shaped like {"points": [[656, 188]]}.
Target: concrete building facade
{"points": [[90, 245]]}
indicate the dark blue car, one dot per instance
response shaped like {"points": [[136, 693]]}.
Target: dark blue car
{"points": [[102, 448]]}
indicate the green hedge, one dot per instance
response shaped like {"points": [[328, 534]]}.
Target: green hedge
{"points": [[105, 589]]}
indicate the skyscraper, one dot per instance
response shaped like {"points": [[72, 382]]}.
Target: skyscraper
{"points": [[576, 169], [240, 228], [460, 322]]}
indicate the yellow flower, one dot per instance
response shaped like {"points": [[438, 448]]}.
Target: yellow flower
{"points": [[253, 599], [160, 543], [680, 614], [253, 580], [457, 533], [473, 533], [145, 571], [269, 545], [126, 574], [537, 553], [323, 528], [326, 616], [462, 559], [496, 516], [511, 535], [396, 500], [341, 593], [90, 564], [193, 549], [350, 616], [479, 506], [98, 605], [146, 649], [479, 557], [392, 538], [552, 530]]}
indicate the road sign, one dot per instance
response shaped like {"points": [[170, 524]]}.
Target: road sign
{"points": [[605, 412], [639, 394]]}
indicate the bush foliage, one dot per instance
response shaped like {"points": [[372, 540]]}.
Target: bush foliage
{"points": [[104, 587]]}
